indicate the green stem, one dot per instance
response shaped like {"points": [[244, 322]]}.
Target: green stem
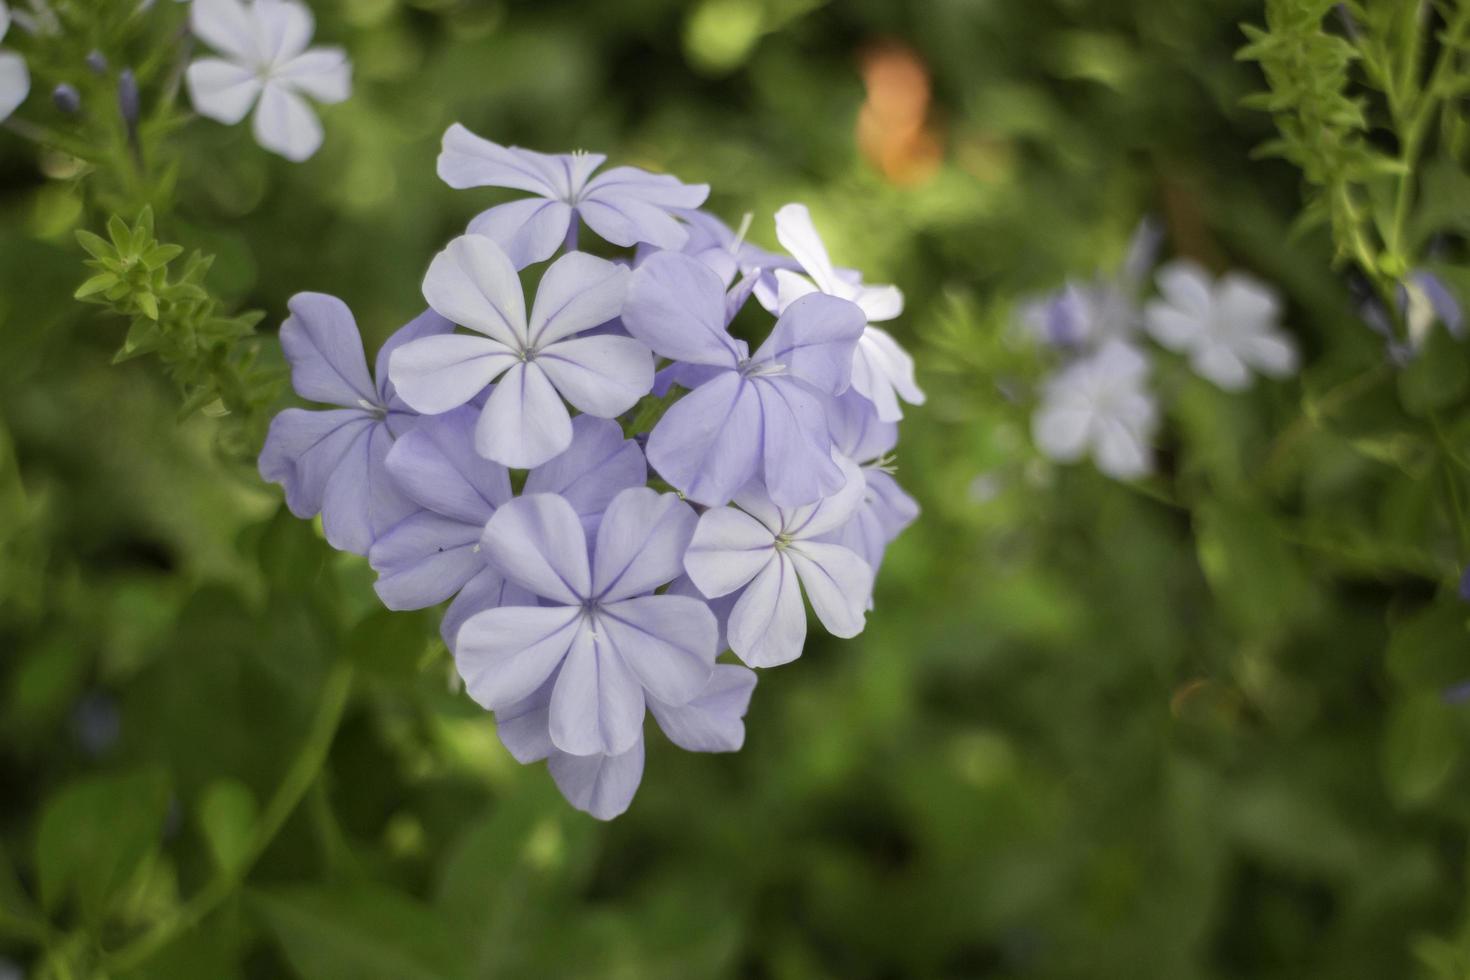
{"points": [[301, 776]]}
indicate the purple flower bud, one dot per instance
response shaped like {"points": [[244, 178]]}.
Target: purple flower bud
{"points": [[97, 61], [127, 97], [1465, 586], [66, 98], [1456, 693]]}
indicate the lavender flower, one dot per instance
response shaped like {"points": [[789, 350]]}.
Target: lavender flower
{"points": [[607, 640], [1226, 328], [604, 785], [334, 462], [882, 371], [1099, 405], [729, 255], [624, 205], [1083, 316], [1423, 301], [15, 80], [538, 361], [266, 66], [435, 553], [885, 510], [747, 417], [773, 553]]}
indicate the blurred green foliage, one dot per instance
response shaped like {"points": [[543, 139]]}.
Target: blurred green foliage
{"points": [[1191, 729]]}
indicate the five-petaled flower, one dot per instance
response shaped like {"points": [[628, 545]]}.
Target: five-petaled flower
{"points": [[1226, 328], [266, 64], [773, 553], [624, 205], [1099, 404], [882, 371], [747, 417], [538, 361], [607, 640], [334, 462]]}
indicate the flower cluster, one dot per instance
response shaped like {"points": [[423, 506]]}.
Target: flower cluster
{"points": [[1098, 403], [494, 458]]}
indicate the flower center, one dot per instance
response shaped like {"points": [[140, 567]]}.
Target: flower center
{"points": [[750, 368]]}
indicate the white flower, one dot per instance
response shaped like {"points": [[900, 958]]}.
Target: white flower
{"points": [[266, 61], [15, 81], [1225, 328], [1099, 405], [882, 371]]}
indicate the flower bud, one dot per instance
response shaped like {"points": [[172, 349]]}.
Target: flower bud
{"points": [[66, 98], [127, 97], [97, 61]]}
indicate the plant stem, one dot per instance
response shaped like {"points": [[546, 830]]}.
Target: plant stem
{"points": [[298, 779]]}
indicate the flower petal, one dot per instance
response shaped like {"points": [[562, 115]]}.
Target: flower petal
{"points": [[594, 468], [887, 365], [524, 423], [1188, 287], [833, 510], [857, 432], [529, 230], [663, 190], [424, 559], [727, 550], [284, 29], [879, 303], [487, 590], [640, 543], [797, 464], [361, 500], [15, 83], [220, 90], [600, 785], [474, 284], [322, 342], [708, 444], [523, 727], [668, 641], [815, 339], [625, 220], [578, 292], [503, 655], [227, 26], [426, 324], [436, 467], [838, 583], [597, 703], [798, 235], [676, 306], [468, 160], [285, 124], [602, 375], [325, 74], [302, 451], [715, 720], [537, 542], [436, 374], [768, 623]]}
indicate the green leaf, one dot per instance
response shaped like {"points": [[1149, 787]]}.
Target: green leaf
{"points": [[96, 245], [98, 283], [94, 835], [144, 336], [364, 931], [646, 414], [1422, 745], [148, 304], [1254, 574], [161, 255], [121, 235], [389, 644], [227, 815]]}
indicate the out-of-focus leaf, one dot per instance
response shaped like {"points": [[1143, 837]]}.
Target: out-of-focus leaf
{"points": [[1422, 744], [227, 814], [362, 932], [94, 835], [1437, 377]]}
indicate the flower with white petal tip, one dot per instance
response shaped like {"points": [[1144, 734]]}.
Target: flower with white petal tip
{"points": [[266, 65], [774, 554], [882, 371], [1226, 328], [15, 80], [1099, 405], [538, 360]]}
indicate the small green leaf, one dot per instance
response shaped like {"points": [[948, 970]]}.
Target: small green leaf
{"points": [[227, 815], [95, 245], [1421, 747], [161, 255], [94, 835], [148, 304], [98, 283], [121, 235], [1437, 377]]}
